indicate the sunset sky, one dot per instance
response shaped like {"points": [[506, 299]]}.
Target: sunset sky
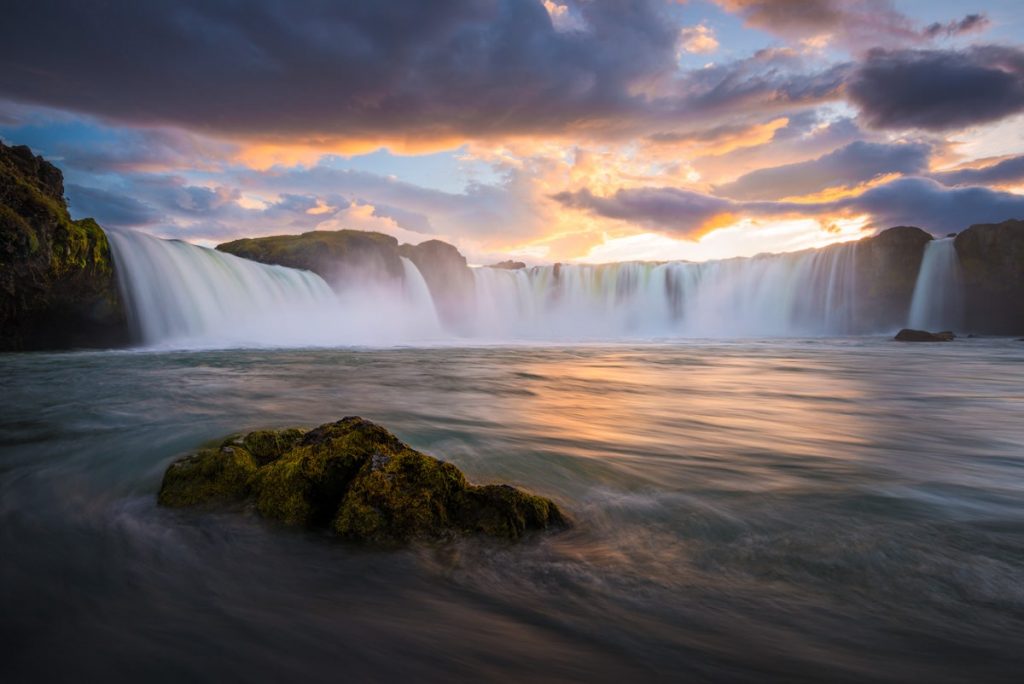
{"points": [[594, 130]]}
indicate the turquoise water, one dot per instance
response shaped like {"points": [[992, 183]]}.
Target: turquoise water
{"points": [[848, 510]]}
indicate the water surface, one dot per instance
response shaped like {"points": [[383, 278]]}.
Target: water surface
{"points": [[848, 510]]}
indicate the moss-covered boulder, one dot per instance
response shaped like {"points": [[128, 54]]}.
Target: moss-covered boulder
{"points": [[57, 284], [992, 264], [356, 479]]}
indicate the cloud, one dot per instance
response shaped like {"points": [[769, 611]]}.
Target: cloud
{"points": [[926, 203], [969, 24], [352, 77], [110, 209], [855, 163], [698, 39], [321, 69], [906, 201], [856, 23], [680, 212], [853, 21], [938, 89], [1005, 171]]}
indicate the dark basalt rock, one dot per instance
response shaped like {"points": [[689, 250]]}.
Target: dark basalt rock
{"points": [[992, 265], [356, 479], [57, 284], [909, 335], [886, 268], [509, 265], [448, 276]]}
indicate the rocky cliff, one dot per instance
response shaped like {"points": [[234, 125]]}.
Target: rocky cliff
{"points": [[886, 272], [57, 284], [448, 277], [992, 265], [339, 257]]}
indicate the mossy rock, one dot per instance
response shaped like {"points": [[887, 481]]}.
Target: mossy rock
{"points": [[209, 477], [356, 479], [58, 289]]}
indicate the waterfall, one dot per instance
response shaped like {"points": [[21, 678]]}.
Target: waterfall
{"points": [[938, 294], [417, 293], [804, 293], [182, 295]]}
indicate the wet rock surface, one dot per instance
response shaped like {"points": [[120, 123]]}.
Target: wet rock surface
{"points": [[909, 335], [356, 479]]}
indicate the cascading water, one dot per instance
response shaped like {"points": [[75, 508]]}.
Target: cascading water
{"points": [[180, 294], [804, 293], [183, 295], [938, 294]]}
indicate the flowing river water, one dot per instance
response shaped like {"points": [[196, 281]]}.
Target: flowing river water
{"points": [[790, 510]]}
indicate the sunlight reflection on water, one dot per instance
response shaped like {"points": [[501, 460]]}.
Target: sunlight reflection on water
{"points": [[838, 509]]}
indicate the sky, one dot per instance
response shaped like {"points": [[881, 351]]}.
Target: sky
{"points": [[542, 130]]}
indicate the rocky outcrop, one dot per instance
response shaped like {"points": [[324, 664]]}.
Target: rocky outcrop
{"points": [[341, 257], [448, 276], [909, 335], [356, 479], [346, 257], [57, 284], [509, 265], [886, 268], [992, 265]]}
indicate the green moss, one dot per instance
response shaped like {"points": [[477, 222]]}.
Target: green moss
{"points": [[267, 446], [305, 486], [212, 476], [17, 239], [329, 254], [398, 497], [358, 479], [504, 511]]}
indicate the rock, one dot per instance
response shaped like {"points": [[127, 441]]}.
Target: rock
{"points": [[58, 288], [341, 257], [908, 335], [508, 264], [886, 268], [351, 257], [356, 479], [449, 278], [992, 266]]}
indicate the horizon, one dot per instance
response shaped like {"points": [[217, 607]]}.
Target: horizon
{"points": [[554, 131]]}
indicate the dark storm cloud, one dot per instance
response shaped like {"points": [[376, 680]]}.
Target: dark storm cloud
{"points": [[1006, 171], [353, 68], [924, 202], [906, 201], [938, 89], [855, 163], [316, 69]]}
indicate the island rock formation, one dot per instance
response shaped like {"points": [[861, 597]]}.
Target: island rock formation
{"points": [[356, 479]]}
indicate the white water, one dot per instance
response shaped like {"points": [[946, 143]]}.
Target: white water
{"points": [[806, 293], [182, 295], [938, 295]]}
